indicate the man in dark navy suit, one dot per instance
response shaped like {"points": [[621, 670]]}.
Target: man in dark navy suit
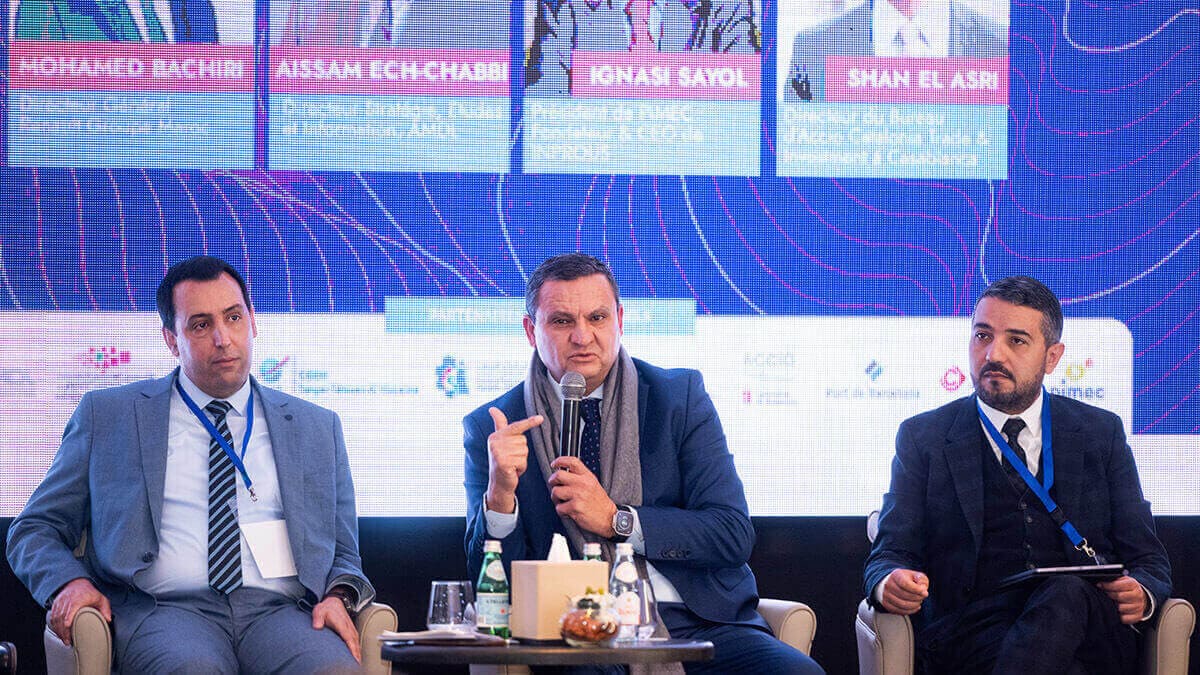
{"points": [[653, 470], [962, 513]]}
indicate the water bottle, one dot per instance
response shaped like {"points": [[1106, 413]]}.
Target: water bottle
{"points": [[623, 587], [491, 593], [591, 551]]}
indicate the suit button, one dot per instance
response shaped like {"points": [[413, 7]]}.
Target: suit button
{"points": [[147, 557], [1030, 566], [1027, 546], [1029, 519], [1022, 505], [967, 592]]}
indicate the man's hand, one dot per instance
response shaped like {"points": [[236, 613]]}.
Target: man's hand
{"points": [[75, 595], [332, 613], [508, 455], [1129, 596], [904, 591], [577, 495]]}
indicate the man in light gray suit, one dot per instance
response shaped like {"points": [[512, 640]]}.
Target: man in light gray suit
{"points": [[901, 28], [219, 514]]}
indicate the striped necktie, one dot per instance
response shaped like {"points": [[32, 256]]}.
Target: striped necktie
{"points": [[224, 540]]}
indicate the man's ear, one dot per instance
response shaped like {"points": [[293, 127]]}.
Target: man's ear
{"points": [[169, 338]]}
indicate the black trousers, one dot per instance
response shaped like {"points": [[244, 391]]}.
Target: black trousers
{"points": [[1062, 625]]}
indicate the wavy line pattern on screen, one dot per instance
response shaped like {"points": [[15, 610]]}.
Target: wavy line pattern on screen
{"points": [[1101, 202]]}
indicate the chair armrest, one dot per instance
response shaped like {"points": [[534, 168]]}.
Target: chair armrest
{"points": [[885, 642], [794, 623], [1166, 646], [371, 622], [90, 652]]}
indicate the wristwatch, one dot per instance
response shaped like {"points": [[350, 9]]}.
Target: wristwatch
{"points": [[622, 523], [345, 594]]}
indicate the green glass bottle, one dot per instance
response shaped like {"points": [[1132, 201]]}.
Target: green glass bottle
{"points": [[491, 593]]}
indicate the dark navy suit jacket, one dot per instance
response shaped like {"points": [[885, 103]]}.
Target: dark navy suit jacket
{"points": [[932, 517], [693, 515]]}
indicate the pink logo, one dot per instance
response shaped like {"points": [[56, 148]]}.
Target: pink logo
{"points": [[953, 378]]}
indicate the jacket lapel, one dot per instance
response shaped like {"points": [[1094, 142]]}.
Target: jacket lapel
{"points": [[153, 413], [964, 461], [289, 463]]}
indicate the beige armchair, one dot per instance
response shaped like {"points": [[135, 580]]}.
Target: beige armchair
{"points": [[794, 623], [886, 645], [90, 652]]}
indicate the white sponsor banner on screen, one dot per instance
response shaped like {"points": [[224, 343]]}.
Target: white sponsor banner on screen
{"points": [[810, 405]]}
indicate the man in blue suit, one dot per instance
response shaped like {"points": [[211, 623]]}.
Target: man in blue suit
{"points": [[962, 513], [180, 527], [190, 21], [654, 470], [899, 28]]}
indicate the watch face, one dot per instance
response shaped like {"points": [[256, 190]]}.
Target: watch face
{"points": [[623, 523]]}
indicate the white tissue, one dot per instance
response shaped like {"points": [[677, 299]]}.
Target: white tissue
{"points": [[558, 549]]}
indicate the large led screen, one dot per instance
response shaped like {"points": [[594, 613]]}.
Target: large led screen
{"points": [[800, 198]]}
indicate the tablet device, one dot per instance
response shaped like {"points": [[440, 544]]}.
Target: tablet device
{"points": [[1090, 572]]}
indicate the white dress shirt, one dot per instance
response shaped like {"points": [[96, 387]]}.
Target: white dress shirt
{"points": [[500, 525], [182, 562], [927, 33]]}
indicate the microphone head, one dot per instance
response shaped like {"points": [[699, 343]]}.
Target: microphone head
{"points": [[573, 385]]}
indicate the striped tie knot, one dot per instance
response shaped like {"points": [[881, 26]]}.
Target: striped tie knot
{"points": [[218, 408]]}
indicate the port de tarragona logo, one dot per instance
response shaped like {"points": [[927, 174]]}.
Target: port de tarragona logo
{"points": [[452, 377], [953, 378]]}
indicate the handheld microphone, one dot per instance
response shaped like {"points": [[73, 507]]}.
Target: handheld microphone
{"points": [[573, 385]]}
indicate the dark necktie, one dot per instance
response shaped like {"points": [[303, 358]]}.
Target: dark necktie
{"points": [[224, 542], [589, 445], [1012, 429]]}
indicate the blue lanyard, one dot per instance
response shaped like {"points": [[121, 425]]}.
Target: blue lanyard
{"points": [[1042, 490], [220, 440]]}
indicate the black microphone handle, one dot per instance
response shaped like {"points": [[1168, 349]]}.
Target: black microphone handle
{"points": [[572, 428]]}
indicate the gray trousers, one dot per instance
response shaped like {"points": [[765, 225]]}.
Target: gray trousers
{"points": [[248, 631]]}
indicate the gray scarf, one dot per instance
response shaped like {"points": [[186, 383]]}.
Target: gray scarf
{"points": [[620, 459], [620, 456]]}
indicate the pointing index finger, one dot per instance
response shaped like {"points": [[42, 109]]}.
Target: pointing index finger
{"points": [[521, 426]]}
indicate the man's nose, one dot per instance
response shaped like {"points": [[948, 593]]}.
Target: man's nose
{"points": [[220, 335], [581, 335]]}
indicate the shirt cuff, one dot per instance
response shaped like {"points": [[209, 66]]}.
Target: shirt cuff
{"points": [[363, 593], [636, 540], [1149, 603], [500, 525], [877, 595]]}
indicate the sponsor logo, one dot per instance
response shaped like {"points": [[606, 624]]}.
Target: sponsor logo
{"points": [[452, 377], [1074, 382], [873, 370], [953, 378], [103, 358], [271, 370]]}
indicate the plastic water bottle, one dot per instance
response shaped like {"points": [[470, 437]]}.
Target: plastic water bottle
{"points": [[622, 586], [591, 551], [491, 593]]}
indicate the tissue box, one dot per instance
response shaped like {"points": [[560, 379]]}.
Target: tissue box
{"points": [[541, 590]]}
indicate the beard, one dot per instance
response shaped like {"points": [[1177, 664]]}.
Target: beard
{"points": [[1022, 395]]}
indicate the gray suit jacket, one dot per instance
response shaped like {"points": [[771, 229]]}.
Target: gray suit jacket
{"points": [[108, 477], [971, 34]]}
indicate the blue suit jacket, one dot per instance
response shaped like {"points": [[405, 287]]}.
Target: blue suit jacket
{"points": [[694, 516], [932, 517], [108, 477], [971, 34]]}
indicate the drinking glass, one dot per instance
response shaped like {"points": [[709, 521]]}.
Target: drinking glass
{"points": [[450, 606]]}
